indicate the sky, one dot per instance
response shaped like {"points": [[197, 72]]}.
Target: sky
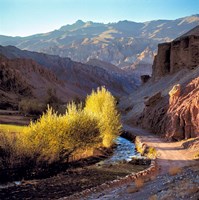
{"points": [[27, 17]]}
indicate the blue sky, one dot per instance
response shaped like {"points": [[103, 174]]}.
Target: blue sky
{"points": [[26, 17]]}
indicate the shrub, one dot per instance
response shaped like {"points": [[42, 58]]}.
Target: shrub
{"points": [[103, 105], [152, 153], [9, 149], [196, 156], [31, 107], [55, 137]]}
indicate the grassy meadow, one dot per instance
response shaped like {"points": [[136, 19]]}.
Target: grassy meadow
{"points": [[11, 128]]}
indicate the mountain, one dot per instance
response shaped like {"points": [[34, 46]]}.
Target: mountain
{"points": [[126, 44], [168, 104], [70, 79], [24, 78], [107, 66]]}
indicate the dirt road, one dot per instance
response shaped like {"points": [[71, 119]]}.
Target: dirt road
{"points": [[170, 155]]}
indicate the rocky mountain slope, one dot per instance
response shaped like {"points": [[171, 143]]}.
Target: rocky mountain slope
{"points": [[125, 44], [168, 104], [25, 79], [70, 79]]}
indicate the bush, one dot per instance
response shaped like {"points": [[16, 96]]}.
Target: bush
{"points": [[9, 150], [31, 107]]}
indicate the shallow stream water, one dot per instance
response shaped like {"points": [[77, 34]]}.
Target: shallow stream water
{"points": [[124, 151]]}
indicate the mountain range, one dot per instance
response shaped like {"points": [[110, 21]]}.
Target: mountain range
{"points": [[26, 74], [126, 44]]}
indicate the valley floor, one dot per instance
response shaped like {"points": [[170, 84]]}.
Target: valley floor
{"points": [[175, 180]]}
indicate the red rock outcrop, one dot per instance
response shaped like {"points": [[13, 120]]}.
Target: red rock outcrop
{"points": [[182, 117], [175, 114]]}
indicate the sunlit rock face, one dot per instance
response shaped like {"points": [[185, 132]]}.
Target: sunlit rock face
{"points": [[168, 103], [183, 113]]}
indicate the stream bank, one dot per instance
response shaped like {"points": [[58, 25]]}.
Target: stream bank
{"points": [[79, 179]]}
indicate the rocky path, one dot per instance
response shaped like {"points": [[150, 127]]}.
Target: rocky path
{"points": [[171, 157]]}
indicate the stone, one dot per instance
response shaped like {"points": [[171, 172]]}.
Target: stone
{"points": [[174, 93]]}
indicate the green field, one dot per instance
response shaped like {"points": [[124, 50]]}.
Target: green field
{"points": [[10, 128]]}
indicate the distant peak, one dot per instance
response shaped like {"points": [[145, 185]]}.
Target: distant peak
{"points": [[79, 22], [195, 15]]}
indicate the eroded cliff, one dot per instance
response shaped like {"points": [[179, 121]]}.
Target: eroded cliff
{"points": [[168, 103]]}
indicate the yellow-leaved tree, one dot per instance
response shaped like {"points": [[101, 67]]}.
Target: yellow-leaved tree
{"points": [[102, 105], [44, 139], [58, 138]]}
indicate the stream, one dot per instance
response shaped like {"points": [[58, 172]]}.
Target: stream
{"points": [[124, 151]]}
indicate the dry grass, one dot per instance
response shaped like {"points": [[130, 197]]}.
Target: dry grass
{"points": [[174, 171], [11, 128]]}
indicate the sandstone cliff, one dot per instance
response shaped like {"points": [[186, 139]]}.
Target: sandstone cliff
{"points": [[168, 103]]}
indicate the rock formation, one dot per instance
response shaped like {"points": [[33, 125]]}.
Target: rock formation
{"points": [[172, 57], [182, 117], [168, 103], [179, 116], [151, 101], [174, 94]]}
